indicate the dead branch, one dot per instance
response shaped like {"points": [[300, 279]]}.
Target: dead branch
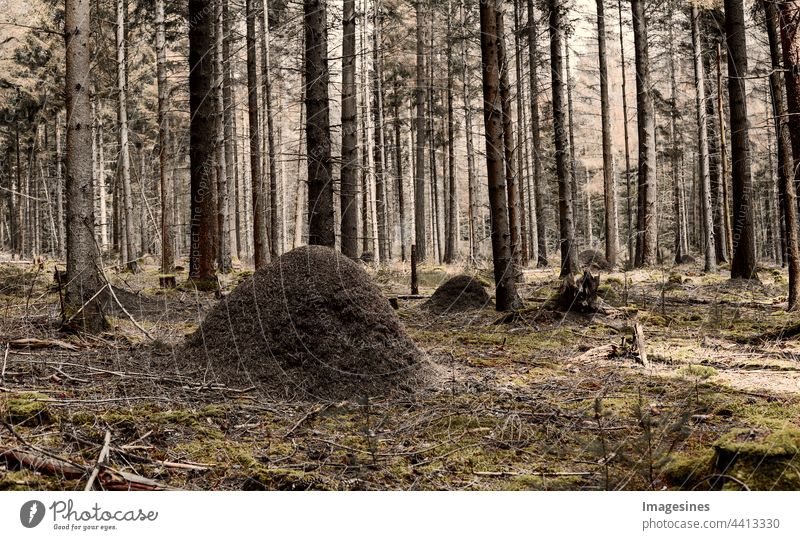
{"points": [[101, 460]]}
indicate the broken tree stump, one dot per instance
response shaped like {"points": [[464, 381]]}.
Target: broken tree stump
{"points": [[580, 294], [639, 344]]}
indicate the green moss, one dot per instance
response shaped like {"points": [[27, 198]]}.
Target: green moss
{"points": [[289, 480], [761, 460], [685, 471], [27, 409], [697, 371]]}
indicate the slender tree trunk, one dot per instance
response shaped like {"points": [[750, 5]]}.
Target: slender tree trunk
{"points": [[512, 185], [349, 169], [62, 233], [101, 178], [743, 264], [266, 81], [609, 184], [318, 133], [788, 19], [230, 135], [569, 256], [628, 191], [725, 208], [452, 233], [167, 253], [647, 229], [201, 145], [260, 241], [419, 172], [224, 262], [378, 137], [538, 172], [520, 150], [83, 261], [129, 256], [400, 188], [503, 256], [789, 12], [472, 195], [675, 153], [710, 263]]}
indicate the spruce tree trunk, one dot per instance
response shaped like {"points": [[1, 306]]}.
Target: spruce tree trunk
{"points": [[628, 191], [451, 197], [318, 132], [83, 261], [419, 128], [471, 179], [266, 98], [743, 264], [789, 11], [609, 184], [647, 223], [124, 176], [400, 181], [724, 204], [681, 246], [201, 143], [509, 147], [709, 252], [504, 272], [260, 241], [224, 261], [379, 140], [62, 233], [522, 144], [784, 134], [230, 134], [569, 256], [538, 171], [349, 169], [167, 253]]}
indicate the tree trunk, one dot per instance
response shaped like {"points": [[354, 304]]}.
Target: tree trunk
{"points": [[710, 264], [512, 179], [83, 261], [318, 132], [260, 241], [378, 137], [609, 184], [504, 272], [62, 233], [573, 165], [743, 264], [789, 12], [167, 254], [349, 169], [538, 173], [783, 132], [451, 197], [628, 191], [675, 153], [522, 144], [647, 226], [724, 204], [266, 97], [419, 172], [230, 134], [569, 256], [223, 238], [129, 257], [471, 177], [201, 145]]}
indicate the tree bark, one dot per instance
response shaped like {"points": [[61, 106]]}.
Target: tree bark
{"points": [[628, 191], [260, 241], [129, 257], [609, 184], [647, 226], [83, 261], [167, 254], [471, 177], [318, 132], [266, 81], [349, 170], [788, 21], [452, 233], [419, 128], [709, 252], [379, 138], [201, 144], [504, 272], [743, 264], [569, 256], [536, 139]]}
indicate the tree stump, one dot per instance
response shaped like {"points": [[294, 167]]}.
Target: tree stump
{"points": [[580, 294]]}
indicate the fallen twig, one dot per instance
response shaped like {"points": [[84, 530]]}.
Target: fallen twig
{"points": [[101, 459], [43, 465], [34, 343]]}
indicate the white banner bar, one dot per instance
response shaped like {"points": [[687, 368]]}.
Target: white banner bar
{"points": [[399, 515]]}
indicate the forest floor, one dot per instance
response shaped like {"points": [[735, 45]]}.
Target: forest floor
{"points": [[546, 401]]}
